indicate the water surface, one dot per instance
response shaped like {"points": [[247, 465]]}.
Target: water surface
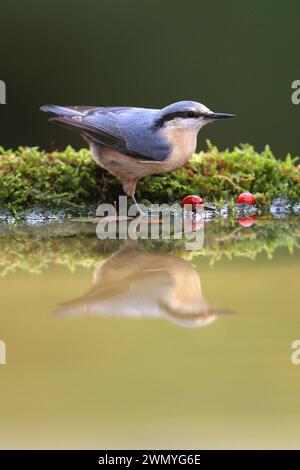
{"points": [[115, 345]]}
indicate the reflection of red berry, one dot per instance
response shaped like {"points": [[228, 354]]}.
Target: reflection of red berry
{"points": [[192, 200], [246, 198], [247, 222], [193, 224]]}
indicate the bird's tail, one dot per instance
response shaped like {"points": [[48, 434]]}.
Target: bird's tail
{"points": [[60, 110], [69, 117]]}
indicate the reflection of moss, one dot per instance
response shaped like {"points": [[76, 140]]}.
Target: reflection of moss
{"points": [[231, 240], [35, 248], [30, 177]]}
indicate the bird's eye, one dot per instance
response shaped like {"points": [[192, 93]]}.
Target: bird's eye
{"points": [[190, 114]]}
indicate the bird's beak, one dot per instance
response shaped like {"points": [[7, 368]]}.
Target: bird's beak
{"points": [[220, 116]]}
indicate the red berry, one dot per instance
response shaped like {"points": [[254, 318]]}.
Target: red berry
{"points": [[246, 198], [192, 200], [247, 222]]}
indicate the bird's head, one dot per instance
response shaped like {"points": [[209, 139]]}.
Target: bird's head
{"points": [[188, 115]]}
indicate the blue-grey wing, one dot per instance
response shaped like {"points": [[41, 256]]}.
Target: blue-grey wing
{"points": [[128, 130], [143, 138]]}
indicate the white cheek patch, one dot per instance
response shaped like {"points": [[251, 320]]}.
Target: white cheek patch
{"points": [[174, 124], [183, 123]]}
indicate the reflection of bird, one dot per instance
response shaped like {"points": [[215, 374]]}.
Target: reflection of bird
{"points": [[134, 142], [134, 283]]}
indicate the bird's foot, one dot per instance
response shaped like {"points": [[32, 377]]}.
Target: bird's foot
{"points": [[140, 211]]}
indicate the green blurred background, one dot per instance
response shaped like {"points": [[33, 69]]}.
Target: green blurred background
{"points": [[234, 56]]}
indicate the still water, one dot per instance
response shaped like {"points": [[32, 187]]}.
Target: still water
{"points": [[145, 345]]}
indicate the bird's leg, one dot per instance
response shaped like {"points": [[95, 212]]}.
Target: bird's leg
{"points": [[129, 188], [140, 211]]}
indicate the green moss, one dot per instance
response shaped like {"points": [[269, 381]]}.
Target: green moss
{"points": [[30, 177], [222, 175]]}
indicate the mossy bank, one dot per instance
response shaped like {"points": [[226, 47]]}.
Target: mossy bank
{"points": [[31, 177]]}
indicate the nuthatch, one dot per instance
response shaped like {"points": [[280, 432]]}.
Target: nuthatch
{"points": [[132, 142]]}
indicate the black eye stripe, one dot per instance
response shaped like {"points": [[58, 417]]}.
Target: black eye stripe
{"points": [[191, 114], [179, 114]]}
